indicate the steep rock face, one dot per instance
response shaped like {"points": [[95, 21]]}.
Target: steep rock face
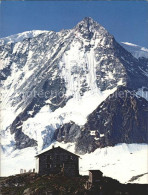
{"points": [[49, 68], [121, 118], [69, 132]]}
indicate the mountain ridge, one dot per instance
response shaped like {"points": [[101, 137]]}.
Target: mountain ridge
{"points": [[55, 71]]}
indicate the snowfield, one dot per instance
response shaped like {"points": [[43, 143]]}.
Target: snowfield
{"points": [[120, 162], [21, 36], [136, 50]]}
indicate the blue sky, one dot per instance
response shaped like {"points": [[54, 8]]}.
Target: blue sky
{"points": [[126, 20]]}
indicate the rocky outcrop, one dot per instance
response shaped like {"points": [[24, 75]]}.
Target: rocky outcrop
{"points": [[69, 132], [34, 184], [121, 118]]}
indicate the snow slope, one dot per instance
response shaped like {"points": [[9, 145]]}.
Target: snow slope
{"points": [[136, 50], [21, 36], [42, 126]]}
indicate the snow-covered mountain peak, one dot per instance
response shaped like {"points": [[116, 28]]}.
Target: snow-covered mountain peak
{"points": [[88, 21], [64, 87], [88, 28], [21, 36]]}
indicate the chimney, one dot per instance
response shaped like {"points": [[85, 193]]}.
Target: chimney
{"points": [[53, 147]]}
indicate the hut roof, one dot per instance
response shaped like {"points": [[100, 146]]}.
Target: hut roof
{"points": [[57, 148]]}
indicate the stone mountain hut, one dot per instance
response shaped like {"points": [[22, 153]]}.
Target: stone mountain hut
{"points": [[58, 161]]}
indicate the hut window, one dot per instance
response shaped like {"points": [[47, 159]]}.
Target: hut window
{"points": [[48, 165], [49, 158], [65, 157], [57, 157]]}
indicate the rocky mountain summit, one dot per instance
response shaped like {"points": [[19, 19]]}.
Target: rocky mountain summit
{"points": [[55, 87]]}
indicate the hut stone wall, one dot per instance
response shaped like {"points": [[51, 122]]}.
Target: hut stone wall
{"points": [[58, 161]]}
